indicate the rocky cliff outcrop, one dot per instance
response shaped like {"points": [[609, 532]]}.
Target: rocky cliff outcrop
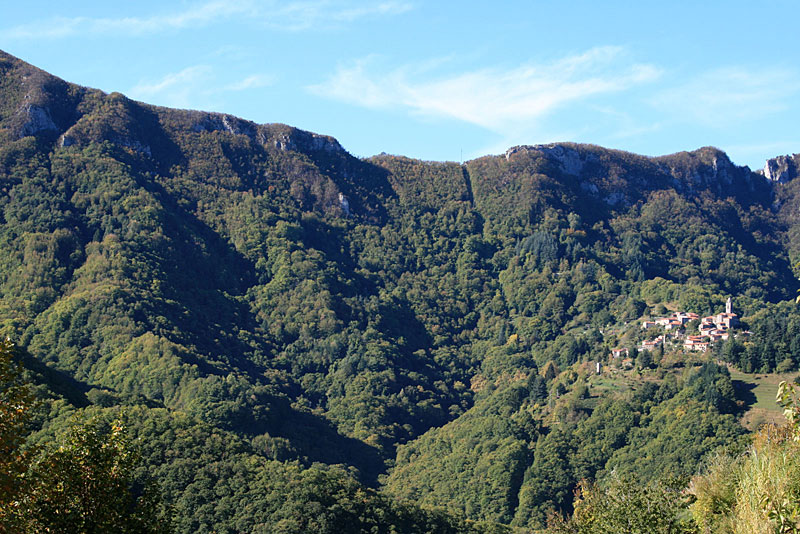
{"points": [[35, 119], [782, 168], [287, 138], [568, 159]]}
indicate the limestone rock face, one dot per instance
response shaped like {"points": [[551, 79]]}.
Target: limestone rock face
{"points": [[567, 158], [782, 168], [219, 122], [36, 119], [344, 204], [307, 141]]}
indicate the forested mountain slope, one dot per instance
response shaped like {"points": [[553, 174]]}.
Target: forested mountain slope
{"points": [[257, 284]]}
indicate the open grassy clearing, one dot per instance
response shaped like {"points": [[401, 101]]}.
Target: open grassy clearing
{"points": [[758, 392], [755, 391]]}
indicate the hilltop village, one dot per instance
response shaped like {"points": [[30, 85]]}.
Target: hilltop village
{"points": [[677, 328]]}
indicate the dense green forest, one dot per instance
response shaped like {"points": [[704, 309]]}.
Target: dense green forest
{"points": [[291, 339]]}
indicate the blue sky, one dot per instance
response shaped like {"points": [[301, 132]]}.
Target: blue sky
{"points": [[445, 80]]}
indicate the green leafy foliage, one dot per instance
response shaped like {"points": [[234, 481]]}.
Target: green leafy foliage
{"points": [[753, 492], [625, 505], [16, 399], [774, 345], [88, 484], [513, 458], [85, 484], [788, 399]]}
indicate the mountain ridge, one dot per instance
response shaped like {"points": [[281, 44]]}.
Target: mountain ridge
{"points": [[41, 118]]}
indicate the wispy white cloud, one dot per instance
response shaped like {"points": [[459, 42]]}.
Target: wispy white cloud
{"points": [[193, 87], [380, 9], [294, 15], [626, 124], [500, 100], [178, 89], [59, 27], [301, 15], [730, 95], [54, 28], [255, 81]]}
